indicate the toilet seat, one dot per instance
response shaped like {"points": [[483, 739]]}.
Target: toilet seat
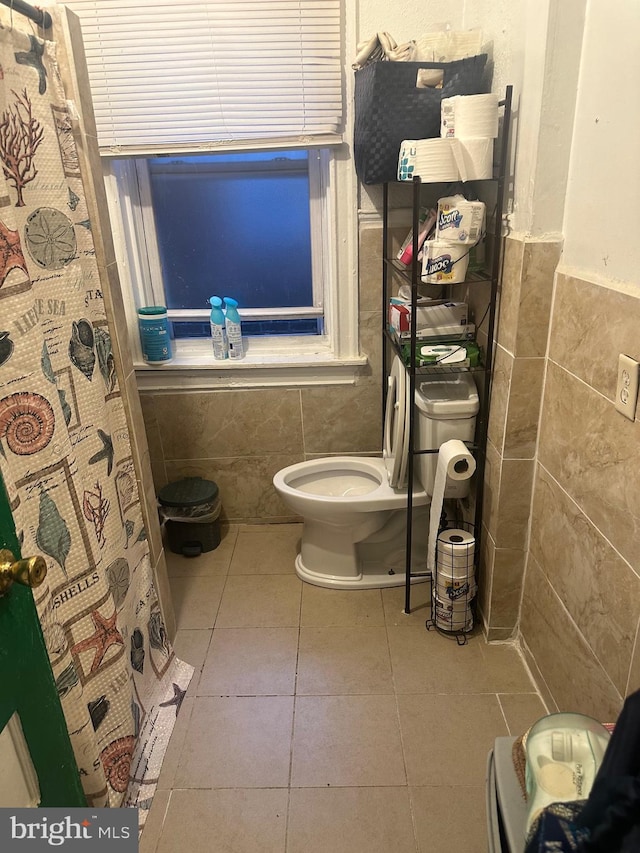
{"points": [[397, 425]]}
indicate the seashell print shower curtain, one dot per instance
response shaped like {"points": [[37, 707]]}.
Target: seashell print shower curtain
{"points": [[65, 455]]}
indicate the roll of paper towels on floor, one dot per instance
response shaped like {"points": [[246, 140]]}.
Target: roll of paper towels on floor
{"points": [[455, 464]]}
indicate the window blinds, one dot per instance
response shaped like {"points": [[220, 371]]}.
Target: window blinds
{"points": [[176, 76]]}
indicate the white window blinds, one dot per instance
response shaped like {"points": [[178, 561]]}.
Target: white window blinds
{"points": [[172, 76]]}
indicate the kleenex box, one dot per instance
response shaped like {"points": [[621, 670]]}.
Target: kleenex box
{"points": [[446, 318]]}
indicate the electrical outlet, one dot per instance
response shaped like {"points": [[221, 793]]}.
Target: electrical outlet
{"points": [[627, 386]]}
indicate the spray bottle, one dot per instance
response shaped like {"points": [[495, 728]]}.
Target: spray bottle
{"points": [[234, 329], [218, 329]]}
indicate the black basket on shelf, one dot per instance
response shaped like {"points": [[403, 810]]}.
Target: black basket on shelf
{"points": [[454, 584], [390, 108]]}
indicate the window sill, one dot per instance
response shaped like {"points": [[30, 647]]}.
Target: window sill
{"points": [[191, 372]]}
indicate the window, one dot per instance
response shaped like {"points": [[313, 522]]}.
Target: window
{"points": [[203, 102], [246, 225]]}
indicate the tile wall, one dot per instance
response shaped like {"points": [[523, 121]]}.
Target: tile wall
{"points": [[241, 438]]}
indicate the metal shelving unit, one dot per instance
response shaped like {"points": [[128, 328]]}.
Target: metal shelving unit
{"points": [[392, 268]]}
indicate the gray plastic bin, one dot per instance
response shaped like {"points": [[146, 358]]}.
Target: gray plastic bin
{"points": [[190, 509]]}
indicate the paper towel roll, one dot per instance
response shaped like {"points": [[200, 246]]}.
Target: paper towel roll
{"points": [[473, 158], [431, 159], [469, 116], [444, 263], [455, 463]]}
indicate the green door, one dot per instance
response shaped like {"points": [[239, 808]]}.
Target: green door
{"points": [[27, 686]]}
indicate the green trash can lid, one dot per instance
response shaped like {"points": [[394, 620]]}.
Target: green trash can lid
{"points": [[188, 492]]}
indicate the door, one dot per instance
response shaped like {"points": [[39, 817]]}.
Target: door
{"points": [[27, 689]]}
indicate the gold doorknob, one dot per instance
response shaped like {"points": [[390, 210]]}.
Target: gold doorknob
{"points": [[30, 572]]}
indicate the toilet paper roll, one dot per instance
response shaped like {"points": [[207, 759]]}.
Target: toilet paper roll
{"points": [[456, 550], [444, 263], [459, 220], [452, 616], [455, 463], [432, 159], [468, 116], [473, 158], [452, 589]]}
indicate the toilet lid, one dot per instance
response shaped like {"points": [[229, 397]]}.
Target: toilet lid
{"points": [[396, 426]]}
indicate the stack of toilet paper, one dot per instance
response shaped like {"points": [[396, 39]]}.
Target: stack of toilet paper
{"points": [[454, 585], [469, 124], [459, 226]]}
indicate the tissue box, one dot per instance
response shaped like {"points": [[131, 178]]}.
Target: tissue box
{"points": [[444, 320]]}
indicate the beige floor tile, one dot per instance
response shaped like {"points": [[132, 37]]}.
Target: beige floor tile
{"points": [[447, 738], [343, 608], [350, 820], [393, 600], [343, 661], [430, 662], [233, 820], [267, 549], [260, 601], [450, 819], [250, 662], [237, 743], [174, 748], [154, 823], [191, 645], [196, 601], [521, 710], [346, 740], [210, 564]]}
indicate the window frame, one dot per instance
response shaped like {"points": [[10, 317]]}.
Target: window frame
{"points": [[332, 357]]}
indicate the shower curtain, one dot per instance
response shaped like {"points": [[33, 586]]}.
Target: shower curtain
{"points": [[65, 455]]}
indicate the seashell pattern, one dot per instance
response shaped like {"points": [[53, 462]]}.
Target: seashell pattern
{"points": [[6, 347], [137, 651], [27, 422], [98, 710], [81, 350]]}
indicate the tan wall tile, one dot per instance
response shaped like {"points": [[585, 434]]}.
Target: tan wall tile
{"points": [[491, 497], [594, 453], [246, 485], [370, 268], [537, 677], [514, 506], [538, 269], [502, 368], [591, 326], [523, 412], [342, 419], [150, 416], [510, 293], [212, 424], [485, 575], [506, 588], [500, 634], [371, 345], [574, 676], [597, 587]]}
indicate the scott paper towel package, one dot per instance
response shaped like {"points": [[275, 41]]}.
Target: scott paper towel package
{"points": [[459, 220]]}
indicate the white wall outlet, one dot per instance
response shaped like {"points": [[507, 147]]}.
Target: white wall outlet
{"points": [[627, 386]]}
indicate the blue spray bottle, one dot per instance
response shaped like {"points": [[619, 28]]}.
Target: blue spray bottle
{"points": [[218, 329], [234, 328]]}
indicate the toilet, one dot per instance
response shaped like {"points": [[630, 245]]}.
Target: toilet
{"points": [[354, 508]]}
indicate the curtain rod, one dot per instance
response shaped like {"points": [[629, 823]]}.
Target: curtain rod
{"points": [[42, 18]]}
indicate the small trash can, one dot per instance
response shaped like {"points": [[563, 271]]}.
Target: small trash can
{"points": [[190, 508]]}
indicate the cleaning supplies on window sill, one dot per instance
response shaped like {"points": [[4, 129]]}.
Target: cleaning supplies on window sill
{"points": [[218, 329], [234, 328]]}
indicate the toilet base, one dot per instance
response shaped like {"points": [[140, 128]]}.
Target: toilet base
{"points": [[365, 580]]}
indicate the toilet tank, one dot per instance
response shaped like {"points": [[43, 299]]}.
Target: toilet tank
{"points": [[446, 407]]}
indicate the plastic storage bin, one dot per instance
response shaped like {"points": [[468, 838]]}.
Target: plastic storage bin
{"points": [[190, 508]]}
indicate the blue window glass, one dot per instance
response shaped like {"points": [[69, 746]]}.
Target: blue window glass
{"points": [[234, 225]]}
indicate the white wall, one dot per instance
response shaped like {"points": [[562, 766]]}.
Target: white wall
{"points": [[602, 216]]}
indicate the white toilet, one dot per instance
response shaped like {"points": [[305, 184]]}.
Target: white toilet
{"points": [[354, 508]]}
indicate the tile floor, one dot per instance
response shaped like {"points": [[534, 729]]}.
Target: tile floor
{"points": [[324, 721]]}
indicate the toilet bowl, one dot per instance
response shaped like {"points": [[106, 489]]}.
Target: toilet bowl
{"points": [[354, 508], [345, 500]]}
